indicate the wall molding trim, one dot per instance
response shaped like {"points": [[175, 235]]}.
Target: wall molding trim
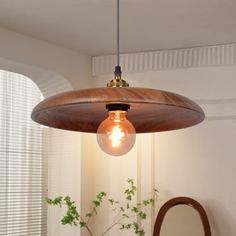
{"points": [[219, 109], [219, 55]]}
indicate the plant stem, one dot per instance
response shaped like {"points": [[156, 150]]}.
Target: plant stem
{"points": [[109, 228], [114, 224], [116, 216], [88, 229], [91, 234]]}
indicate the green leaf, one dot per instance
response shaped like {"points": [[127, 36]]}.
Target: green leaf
{"points": [[125, 215], [142, 215], [146, 202], [130, 181], [122, 209], [55, 201], [134, 209], [82, 224], [111, 201], [127, 226], [88, 214], [97, 203], [141, 232]]}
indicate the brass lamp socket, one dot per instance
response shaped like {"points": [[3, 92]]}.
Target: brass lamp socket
{"points": [[118, 81]]}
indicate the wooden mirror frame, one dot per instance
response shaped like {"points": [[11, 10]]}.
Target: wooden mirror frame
{"points": [[182, 201]]}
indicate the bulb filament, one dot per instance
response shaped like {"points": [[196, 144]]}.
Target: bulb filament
{"points": [[116, 136]]}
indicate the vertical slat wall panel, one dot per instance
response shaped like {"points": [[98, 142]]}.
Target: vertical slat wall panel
{"points": [[166, 59]]}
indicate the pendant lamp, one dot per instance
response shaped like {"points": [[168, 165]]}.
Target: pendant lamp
{"points": [[117, 112]]}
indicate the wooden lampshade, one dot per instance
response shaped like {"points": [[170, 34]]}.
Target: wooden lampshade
{"points": [[150, 110]]}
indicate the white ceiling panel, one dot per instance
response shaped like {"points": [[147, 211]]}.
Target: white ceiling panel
{"points": [[89, 26]]}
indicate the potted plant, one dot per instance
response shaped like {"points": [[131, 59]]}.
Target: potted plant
{"points": [[126, 212]]}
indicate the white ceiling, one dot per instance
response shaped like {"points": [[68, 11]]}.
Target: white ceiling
{"points": [[89, 26]]}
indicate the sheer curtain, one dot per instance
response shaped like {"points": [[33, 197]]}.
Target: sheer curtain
{"points": [[23, 159]]}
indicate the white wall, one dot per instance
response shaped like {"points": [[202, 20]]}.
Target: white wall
{"points": [[101, 172], [54, 69], [64, 176], [197, 162], [29, 52]]}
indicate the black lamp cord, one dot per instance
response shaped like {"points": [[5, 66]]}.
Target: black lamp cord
{"points": [[118, 33], [118, 69]]}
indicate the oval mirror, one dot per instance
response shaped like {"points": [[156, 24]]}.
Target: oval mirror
{"points": [[182, 216]]}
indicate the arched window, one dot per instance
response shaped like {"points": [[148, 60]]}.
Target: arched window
{"points": [[23, 159]]}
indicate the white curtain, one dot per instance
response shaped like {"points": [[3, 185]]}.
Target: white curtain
{"points": [[23, 159]]}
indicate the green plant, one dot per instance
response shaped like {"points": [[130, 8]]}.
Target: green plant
{"points": [[126, 213]]}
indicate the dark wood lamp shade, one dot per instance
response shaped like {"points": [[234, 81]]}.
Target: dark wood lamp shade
{"points": [[150, 110]]}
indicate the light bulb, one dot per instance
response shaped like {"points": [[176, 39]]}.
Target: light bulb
{"points": [[116, 135]]}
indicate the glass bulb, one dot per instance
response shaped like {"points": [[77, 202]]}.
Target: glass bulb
{"points": [[116, 135]]}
